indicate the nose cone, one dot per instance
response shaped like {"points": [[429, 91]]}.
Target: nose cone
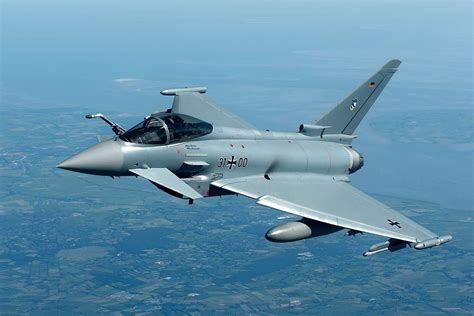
{"points": [[105, 158]]}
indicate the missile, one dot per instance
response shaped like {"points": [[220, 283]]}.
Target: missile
{"points": [[433, 242], [391, 245], [302, 229], [383, 245]]}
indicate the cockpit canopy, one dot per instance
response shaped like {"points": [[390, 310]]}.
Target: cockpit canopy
{"points": [[166, 128]]}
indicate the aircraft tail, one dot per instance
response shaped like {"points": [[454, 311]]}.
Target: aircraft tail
{"points": [[347, 114]]}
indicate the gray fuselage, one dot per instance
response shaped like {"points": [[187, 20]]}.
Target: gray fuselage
{"points": [[224, 153]]}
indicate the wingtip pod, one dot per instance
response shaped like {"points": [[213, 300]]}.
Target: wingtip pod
{"points": [[433, 242], [395, 244], [176, 91]]}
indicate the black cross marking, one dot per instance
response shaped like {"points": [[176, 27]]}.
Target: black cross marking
{"points": [[392, 223], [231, 162]]}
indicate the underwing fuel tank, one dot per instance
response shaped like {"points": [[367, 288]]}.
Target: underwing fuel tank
{"points": [[302, 229]]}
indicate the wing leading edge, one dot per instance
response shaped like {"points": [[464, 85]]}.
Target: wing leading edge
{"points": [[327, 200]]}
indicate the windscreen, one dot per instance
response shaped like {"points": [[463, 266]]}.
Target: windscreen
{"points": [[177, 128], [183, 127]]}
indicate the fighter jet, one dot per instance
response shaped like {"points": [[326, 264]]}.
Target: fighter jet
{"points": [[197, 149]]}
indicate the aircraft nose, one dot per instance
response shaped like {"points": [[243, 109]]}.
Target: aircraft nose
{"points": [[105, 158]]}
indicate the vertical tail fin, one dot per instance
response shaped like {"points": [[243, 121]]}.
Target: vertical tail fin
{"points": [[347, 114]]}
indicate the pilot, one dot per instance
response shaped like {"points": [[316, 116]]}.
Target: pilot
{"points": [[175, 126]]}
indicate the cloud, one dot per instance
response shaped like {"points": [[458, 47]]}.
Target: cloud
{"points": [[130, 84], [126, 80]]}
